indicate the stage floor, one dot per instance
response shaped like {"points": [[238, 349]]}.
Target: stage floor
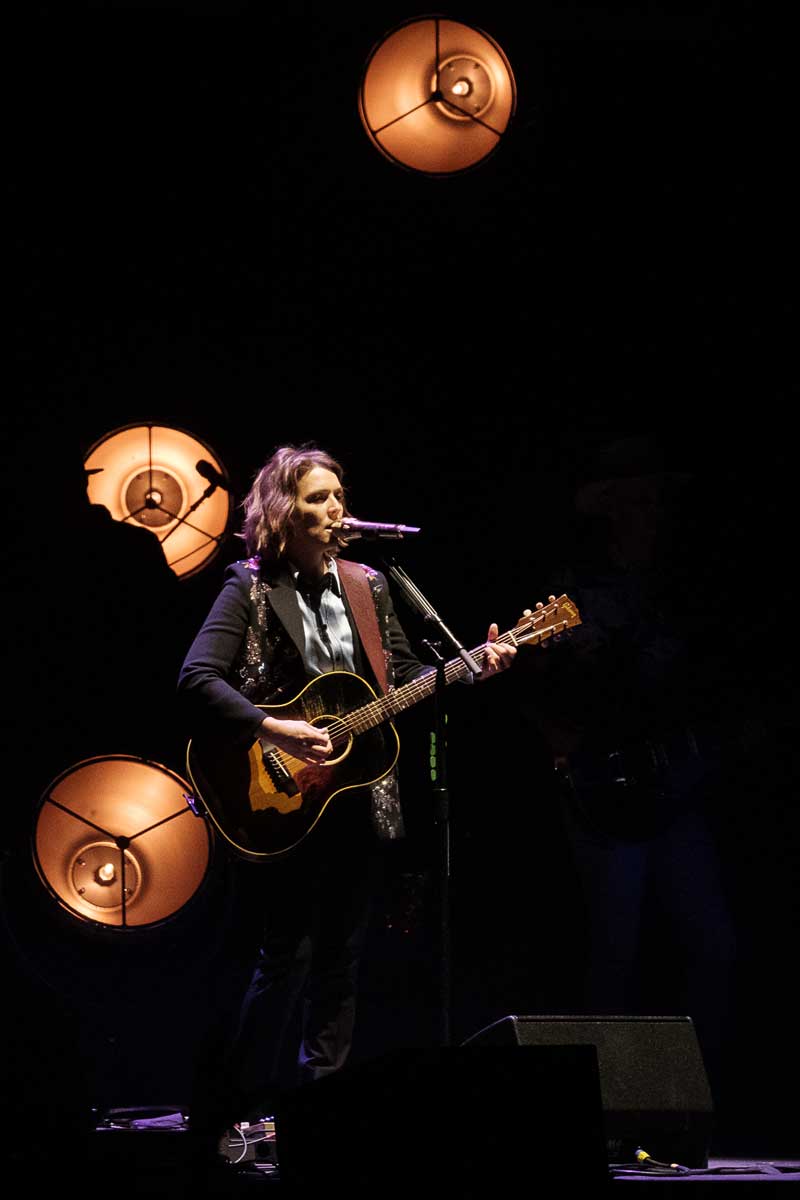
{"points": [[154, 1158]]}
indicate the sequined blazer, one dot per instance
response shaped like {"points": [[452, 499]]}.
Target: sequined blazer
{"points": [[249, 651]]}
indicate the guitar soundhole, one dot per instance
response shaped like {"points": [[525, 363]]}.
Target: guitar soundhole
{"points": [[342, 745]]}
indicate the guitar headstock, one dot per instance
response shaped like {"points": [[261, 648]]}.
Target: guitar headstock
{"points": [[546, 620]]}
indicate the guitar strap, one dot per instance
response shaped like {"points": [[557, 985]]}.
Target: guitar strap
{"points": [[362, 605]]}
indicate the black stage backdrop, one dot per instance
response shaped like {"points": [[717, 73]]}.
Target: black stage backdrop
{"points": [[202, 235]]}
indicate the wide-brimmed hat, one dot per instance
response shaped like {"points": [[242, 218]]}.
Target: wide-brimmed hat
{"points": [[628, 470]]}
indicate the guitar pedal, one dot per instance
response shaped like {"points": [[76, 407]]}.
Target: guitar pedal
{"points": [[250, 1143]]}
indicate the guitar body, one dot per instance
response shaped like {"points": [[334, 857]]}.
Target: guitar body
{"points": [[265, 803]]}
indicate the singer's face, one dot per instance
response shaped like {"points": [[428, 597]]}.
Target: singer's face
{"points": [[319, 502]]}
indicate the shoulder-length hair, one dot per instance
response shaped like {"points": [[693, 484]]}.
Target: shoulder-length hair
{"points": [[269, 504]]}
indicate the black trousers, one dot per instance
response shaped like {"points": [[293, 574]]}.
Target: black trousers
{"points": [[314, 910]]}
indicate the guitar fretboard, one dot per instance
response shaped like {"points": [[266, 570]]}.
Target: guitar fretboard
{"points": [[558, 616], [383, 708]]}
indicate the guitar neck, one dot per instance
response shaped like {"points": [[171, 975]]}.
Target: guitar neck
{"points": [[383, 708], [535, 626]]}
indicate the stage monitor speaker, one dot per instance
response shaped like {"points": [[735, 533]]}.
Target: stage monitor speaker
{"points": [[654, 1088], [464, 1119]]}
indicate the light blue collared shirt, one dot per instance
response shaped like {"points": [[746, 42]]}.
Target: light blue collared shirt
{"points": [[329, 638]]}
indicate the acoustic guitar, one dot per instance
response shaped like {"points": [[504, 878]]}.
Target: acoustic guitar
{"points": [[264, 802]]}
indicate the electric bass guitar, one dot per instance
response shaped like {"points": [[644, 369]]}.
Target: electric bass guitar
{"points": [[265, 802]]}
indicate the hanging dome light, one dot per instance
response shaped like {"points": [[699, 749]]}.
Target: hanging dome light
{"points": [[437, 96], [168, 481], [117, 842]]}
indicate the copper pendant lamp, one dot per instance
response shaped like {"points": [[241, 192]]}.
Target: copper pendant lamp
{"points": [[437, 96], [118, 844], [169, 481]]}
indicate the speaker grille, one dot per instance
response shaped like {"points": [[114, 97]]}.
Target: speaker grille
{"points": [[653, 1084]]}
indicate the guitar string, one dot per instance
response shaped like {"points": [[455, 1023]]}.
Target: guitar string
{"points": [[377, 711]]}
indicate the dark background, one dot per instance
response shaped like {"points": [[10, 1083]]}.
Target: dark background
{"points": [[201, 234]]}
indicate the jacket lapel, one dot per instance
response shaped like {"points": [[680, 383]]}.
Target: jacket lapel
{"points": [[360, 605], [283, 599]]}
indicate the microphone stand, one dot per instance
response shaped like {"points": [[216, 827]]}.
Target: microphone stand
{"points": [[440, 789]]}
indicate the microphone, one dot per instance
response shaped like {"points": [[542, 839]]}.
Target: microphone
{"points": [[351, 528], [213, 476]]}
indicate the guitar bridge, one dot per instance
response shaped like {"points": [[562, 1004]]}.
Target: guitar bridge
{"points": [[281, 778]]}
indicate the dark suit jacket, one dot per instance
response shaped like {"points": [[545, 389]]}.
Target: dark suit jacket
{"points": [[250, 651]]}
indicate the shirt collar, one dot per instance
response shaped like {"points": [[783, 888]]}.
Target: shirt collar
{"points": [[329, 581]]}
